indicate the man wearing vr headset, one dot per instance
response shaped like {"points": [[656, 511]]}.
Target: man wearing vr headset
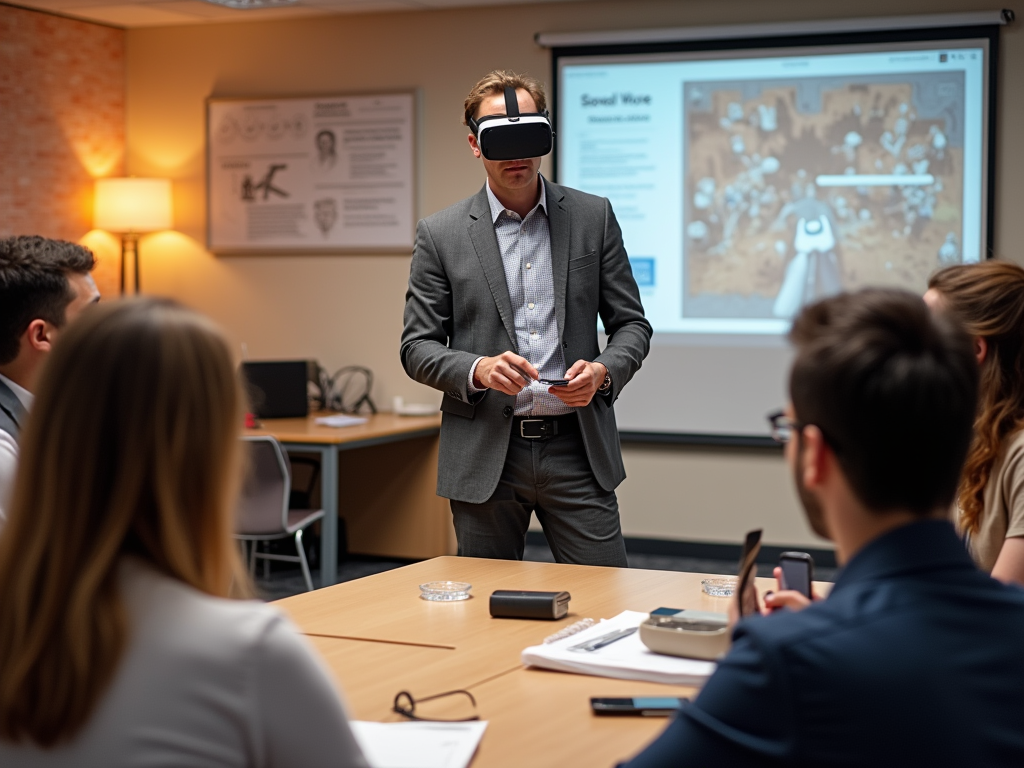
{"points": [[505, 292]]}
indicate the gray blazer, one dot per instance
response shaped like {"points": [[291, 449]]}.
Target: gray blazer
{"points": [[12, 412], [458, 308]]}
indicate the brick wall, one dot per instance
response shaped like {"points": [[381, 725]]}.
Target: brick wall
{"points": [[62, 120]]}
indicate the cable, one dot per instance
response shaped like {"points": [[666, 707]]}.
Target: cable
{"points": [[347, 390]]}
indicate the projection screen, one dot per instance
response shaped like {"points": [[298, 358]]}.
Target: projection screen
{"points": [[751, 177]]}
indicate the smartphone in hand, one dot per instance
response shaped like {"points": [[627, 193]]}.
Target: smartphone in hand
{"points": [[554, 382], [797, 572]]}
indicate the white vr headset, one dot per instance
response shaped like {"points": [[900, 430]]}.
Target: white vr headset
{"points": [[514, 135]]}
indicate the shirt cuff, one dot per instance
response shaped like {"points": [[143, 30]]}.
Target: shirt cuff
{"points": [[470, 389]]}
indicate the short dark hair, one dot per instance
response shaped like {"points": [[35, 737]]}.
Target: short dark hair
{"points": [[893, 390], [34, 284]]}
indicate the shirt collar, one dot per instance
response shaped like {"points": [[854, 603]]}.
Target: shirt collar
{"points": [[24, 396], [497, 208], [926, 545]]}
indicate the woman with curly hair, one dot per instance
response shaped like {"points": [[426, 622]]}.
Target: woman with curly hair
{"points": [[988, 298]]}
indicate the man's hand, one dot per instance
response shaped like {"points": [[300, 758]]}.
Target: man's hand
{"points": [[507, 372], [584, 379], [786, 598]]}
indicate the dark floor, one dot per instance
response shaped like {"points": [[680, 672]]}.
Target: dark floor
{"points": [[284, 583], [287, 582]]}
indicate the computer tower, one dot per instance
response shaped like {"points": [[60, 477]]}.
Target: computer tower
{"points": [[279, 389]]}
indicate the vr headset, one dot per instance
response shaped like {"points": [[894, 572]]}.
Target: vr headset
{"points": [[513, 136]]}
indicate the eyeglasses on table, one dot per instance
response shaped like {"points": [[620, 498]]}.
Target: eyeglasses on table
{"points": [[405, 705]]}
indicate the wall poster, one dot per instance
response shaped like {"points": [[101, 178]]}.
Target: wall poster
{"points": [[326, 174]]}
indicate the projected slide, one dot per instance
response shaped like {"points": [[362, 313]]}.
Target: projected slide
{"points": [[749, 186], [797, 190]]}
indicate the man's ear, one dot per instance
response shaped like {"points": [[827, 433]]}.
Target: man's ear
{"points": [[38, 335], [816, 457], [473, 145]]}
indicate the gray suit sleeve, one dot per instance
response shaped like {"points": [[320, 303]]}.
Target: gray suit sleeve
{"points": [[629, 333], [426, 356]]}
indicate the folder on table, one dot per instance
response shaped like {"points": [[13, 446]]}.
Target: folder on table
{"points": [[626, 659]]}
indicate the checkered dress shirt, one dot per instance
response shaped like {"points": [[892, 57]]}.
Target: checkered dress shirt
{"points": [[525, 245]]}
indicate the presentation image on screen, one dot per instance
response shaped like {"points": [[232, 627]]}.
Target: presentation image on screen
{"points": [[750, 183], [797, 190]]}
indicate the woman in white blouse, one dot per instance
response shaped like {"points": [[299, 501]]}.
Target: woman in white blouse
{"points": [[120, 643]]}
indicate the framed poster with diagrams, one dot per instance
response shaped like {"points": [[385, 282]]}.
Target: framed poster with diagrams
{"points": [[305, 175]]}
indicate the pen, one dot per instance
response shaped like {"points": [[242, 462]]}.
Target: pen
{"points": [[603, 640]]}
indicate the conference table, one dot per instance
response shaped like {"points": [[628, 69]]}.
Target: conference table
{"points": [[388, 477], [378, 638]]}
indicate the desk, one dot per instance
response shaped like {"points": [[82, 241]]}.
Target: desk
{"points": [[378, 637], [388, 482]]}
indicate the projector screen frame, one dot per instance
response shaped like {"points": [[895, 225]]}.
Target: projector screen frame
{"points": [[749, 42]]}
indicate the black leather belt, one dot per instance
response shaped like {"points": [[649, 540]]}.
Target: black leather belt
{"points": [[544, 427]]}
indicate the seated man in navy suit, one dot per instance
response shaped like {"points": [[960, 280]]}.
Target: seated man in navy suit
{"points": [[915, 658]]}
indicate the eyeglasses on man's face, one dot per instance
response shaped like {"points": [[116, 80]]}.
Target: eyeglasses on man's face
{"points": [[405, 705], [783, 427]]}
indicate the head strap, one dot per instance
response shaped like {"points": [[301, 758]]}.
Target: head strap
{"points": [[511, 104], [512, 113]]}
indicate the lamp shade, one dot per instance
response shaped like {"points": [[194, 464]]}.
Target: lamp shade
{"points": [[132, 205]]}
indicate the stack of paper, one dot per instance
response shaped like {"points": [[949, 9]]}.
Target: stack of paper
{"points": [[627, 659], [418, 744], [340, 420]]}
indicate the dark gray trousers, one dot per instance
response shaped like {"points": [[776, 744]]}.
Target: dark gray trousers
{"points": [[553, 479]]}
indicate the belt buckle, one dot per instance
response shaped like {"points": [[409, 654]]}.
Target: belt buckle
{"points": [[522, 431]]}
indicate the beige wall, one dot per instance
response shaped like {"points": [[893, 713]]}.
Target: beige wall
{"points": [[348, 309]]}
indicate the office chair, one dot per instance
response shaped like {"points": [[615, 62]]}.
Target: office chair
{"points": [[263, 513]]}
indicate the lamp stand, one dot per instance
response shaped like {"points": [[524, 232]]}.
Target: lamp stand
{"points": [[129, 244]]}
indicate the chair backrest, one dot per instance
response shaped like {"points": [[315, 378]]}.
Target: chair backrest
{"points": [[263, 502]]}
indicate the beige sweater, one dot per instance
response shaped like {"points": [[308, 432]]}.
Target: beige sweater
{"points": [[1003, 516]]}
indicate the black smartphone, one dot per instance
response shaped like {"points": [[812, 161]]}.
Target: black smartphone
{"points": [[645, 706], [746, 592], [797, 572], [554, 382]]}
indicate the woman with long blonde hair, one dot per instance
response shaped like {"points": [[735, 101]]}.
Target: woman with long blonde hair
{"points": [[119, 641], [988, 298]]}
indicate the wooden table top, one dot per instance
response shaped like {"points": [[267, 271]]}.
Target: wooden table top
{"points": [[535, 717], [378, 428], [387, 606], [378, 638], [539, 717]]}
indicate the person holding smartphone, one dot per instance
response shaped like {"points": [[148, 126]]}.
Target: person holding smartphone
{"points": [[505, 292], [914, 656]]}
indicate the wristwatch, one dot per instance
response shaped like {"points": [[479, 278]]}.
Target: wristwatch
{"points": [[607, 383]]}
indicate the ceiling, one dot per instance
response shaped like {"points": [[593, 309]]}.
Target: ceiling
{"points": [[155, 13]]}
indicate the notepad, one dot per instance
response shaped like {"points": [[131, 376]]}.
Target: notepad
{"points": [[419, 745], [626, 659], [340, 420]]}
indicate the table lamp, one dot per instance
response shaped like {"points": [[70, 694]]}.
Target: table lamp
{"points": [[130, 207]]}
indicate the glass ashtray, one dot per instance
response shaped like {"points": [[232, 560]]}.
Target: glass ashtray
{"points": [[722, 586], [445, 591]]}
